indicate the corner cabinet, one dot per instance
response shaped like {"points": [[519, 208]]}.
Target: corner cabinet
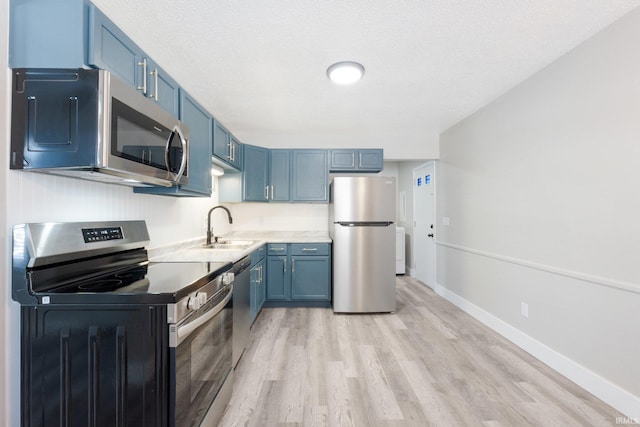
{"points": [[278, 175], [354, 160], [199, 162], [298, 273]]}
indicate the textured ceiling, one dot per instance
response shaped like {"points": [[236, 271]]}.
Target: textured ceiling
{"points": [[259, 65]]}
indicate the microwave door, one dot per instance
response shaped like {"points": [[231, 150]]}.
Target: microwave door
{"points": [[176, 154]]}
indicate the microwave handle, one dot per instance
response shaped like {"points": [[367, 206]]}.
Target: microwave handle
{"points": [[183, 163]]}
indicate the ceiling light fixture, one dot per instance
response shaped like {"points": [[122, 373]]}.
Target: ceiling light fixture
{"points": [[345, 72]]}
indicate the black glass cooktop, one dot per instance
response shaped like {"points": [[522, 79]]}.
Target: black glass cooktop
{"points": [[164, 282]]}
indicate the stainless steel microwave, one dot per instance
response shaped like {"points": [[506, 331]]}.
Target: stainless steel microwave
{"points": [[88, 124]]}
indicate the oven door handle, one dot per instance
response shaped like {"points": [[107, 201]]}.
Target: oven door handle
{"points": [[185, 330]]}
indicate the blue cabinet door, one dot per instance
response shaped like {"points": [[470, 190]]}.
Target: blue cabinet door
{"points": [[261, 288], [310, 278], [370, 160], [342, 160], [199, 123], [226, 148], [110, 49], [279, 175], [162, 89], [278, 278], [236, 152], [257, 281], [221, 141], [310, 176], [255, 174]]}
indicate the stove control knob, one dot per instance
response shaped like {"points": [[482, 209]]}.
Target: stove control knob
{"points": [[193, 303]]}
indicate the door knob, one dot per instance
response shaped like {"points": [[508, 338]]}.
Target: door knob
{"points": [[430, 235]]}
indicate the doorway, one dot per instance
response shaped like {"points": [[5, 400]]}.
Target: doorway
{"points": [[424, 246]]}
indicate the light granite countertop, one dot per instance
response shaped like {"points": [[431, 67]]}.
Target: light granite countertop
{"points": [[192, 250]]}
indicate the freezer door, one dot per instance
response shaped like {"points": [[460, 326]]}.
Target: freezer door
{"points": [[363, 268], [363, 199]]}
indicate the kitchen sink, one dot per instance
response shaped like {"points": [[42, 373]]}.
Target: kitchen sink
{"points": [[229, 244]]}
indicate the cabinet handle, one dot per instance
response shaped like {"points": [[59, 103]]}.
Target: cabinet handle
{"points": [[309, 249], [359, 159], [143, 157], [272, 193], [229, 151], [150, 156], [277, 249], [143, 64], [293, 265], [154, 73], [266, 192], [260, 275], [284, 264], [353, 160]]}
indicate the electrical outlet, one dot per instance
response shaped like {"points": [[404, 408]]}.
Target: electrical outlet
{"points": [[524, 309]]}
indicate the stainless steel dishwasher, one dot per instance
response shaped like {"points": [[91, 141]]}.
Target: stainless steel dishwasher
{"points": [[241, 307]]}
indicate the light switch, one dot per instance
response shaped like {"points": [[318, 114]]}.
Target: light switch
{"points": [[445, 220]]}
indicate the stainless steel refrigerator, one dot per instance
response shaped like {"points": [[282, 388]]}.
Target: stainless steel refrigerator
{"points": [[362, 214]]}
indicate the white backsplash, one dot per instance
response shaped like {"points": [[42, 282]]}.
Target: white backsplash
{"points": [[280, 216]]}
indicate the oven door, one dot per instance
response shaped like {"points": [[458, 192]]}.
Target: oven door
{"points": [[200, 359]]}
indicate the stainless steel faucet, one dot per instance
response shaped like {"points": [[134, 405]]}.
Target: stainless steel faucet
{"points": [[209, 232]]}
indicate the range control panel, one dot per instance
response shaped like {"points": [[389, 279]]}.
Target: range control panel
{"points": [[102, 234]]}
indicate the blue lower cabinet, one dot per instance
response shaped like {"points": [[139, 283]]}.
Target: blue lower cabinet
{"points": [[298, 274], [257, 282], [310, 278]]}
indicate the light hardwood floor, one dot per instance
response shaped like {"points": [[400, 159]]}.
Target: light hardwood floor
{"points": [[428, 364]]}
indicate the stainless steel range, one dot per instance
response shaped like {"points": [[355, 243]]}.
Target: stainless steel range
{"points": [[111, 339]]}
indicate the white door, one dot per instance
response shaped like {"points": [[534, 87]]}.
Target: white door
{"points": [[424, 223]]}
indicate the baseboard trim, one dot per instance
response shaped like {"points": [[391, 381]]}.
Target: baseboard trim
{"points": [[605, 390]]}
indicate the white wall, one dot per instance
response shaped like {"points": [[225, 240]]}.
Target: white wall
{"points": [[542, 188]]}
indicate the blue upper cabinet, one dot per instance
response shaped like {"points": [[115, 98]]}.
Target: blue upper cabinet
{"points": [[47, 34], [353, 160], [199, 163], [309, 176], [280, 175], [227, 150], [162, 88], [255, 174], [110, 49], [76, 34]]}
